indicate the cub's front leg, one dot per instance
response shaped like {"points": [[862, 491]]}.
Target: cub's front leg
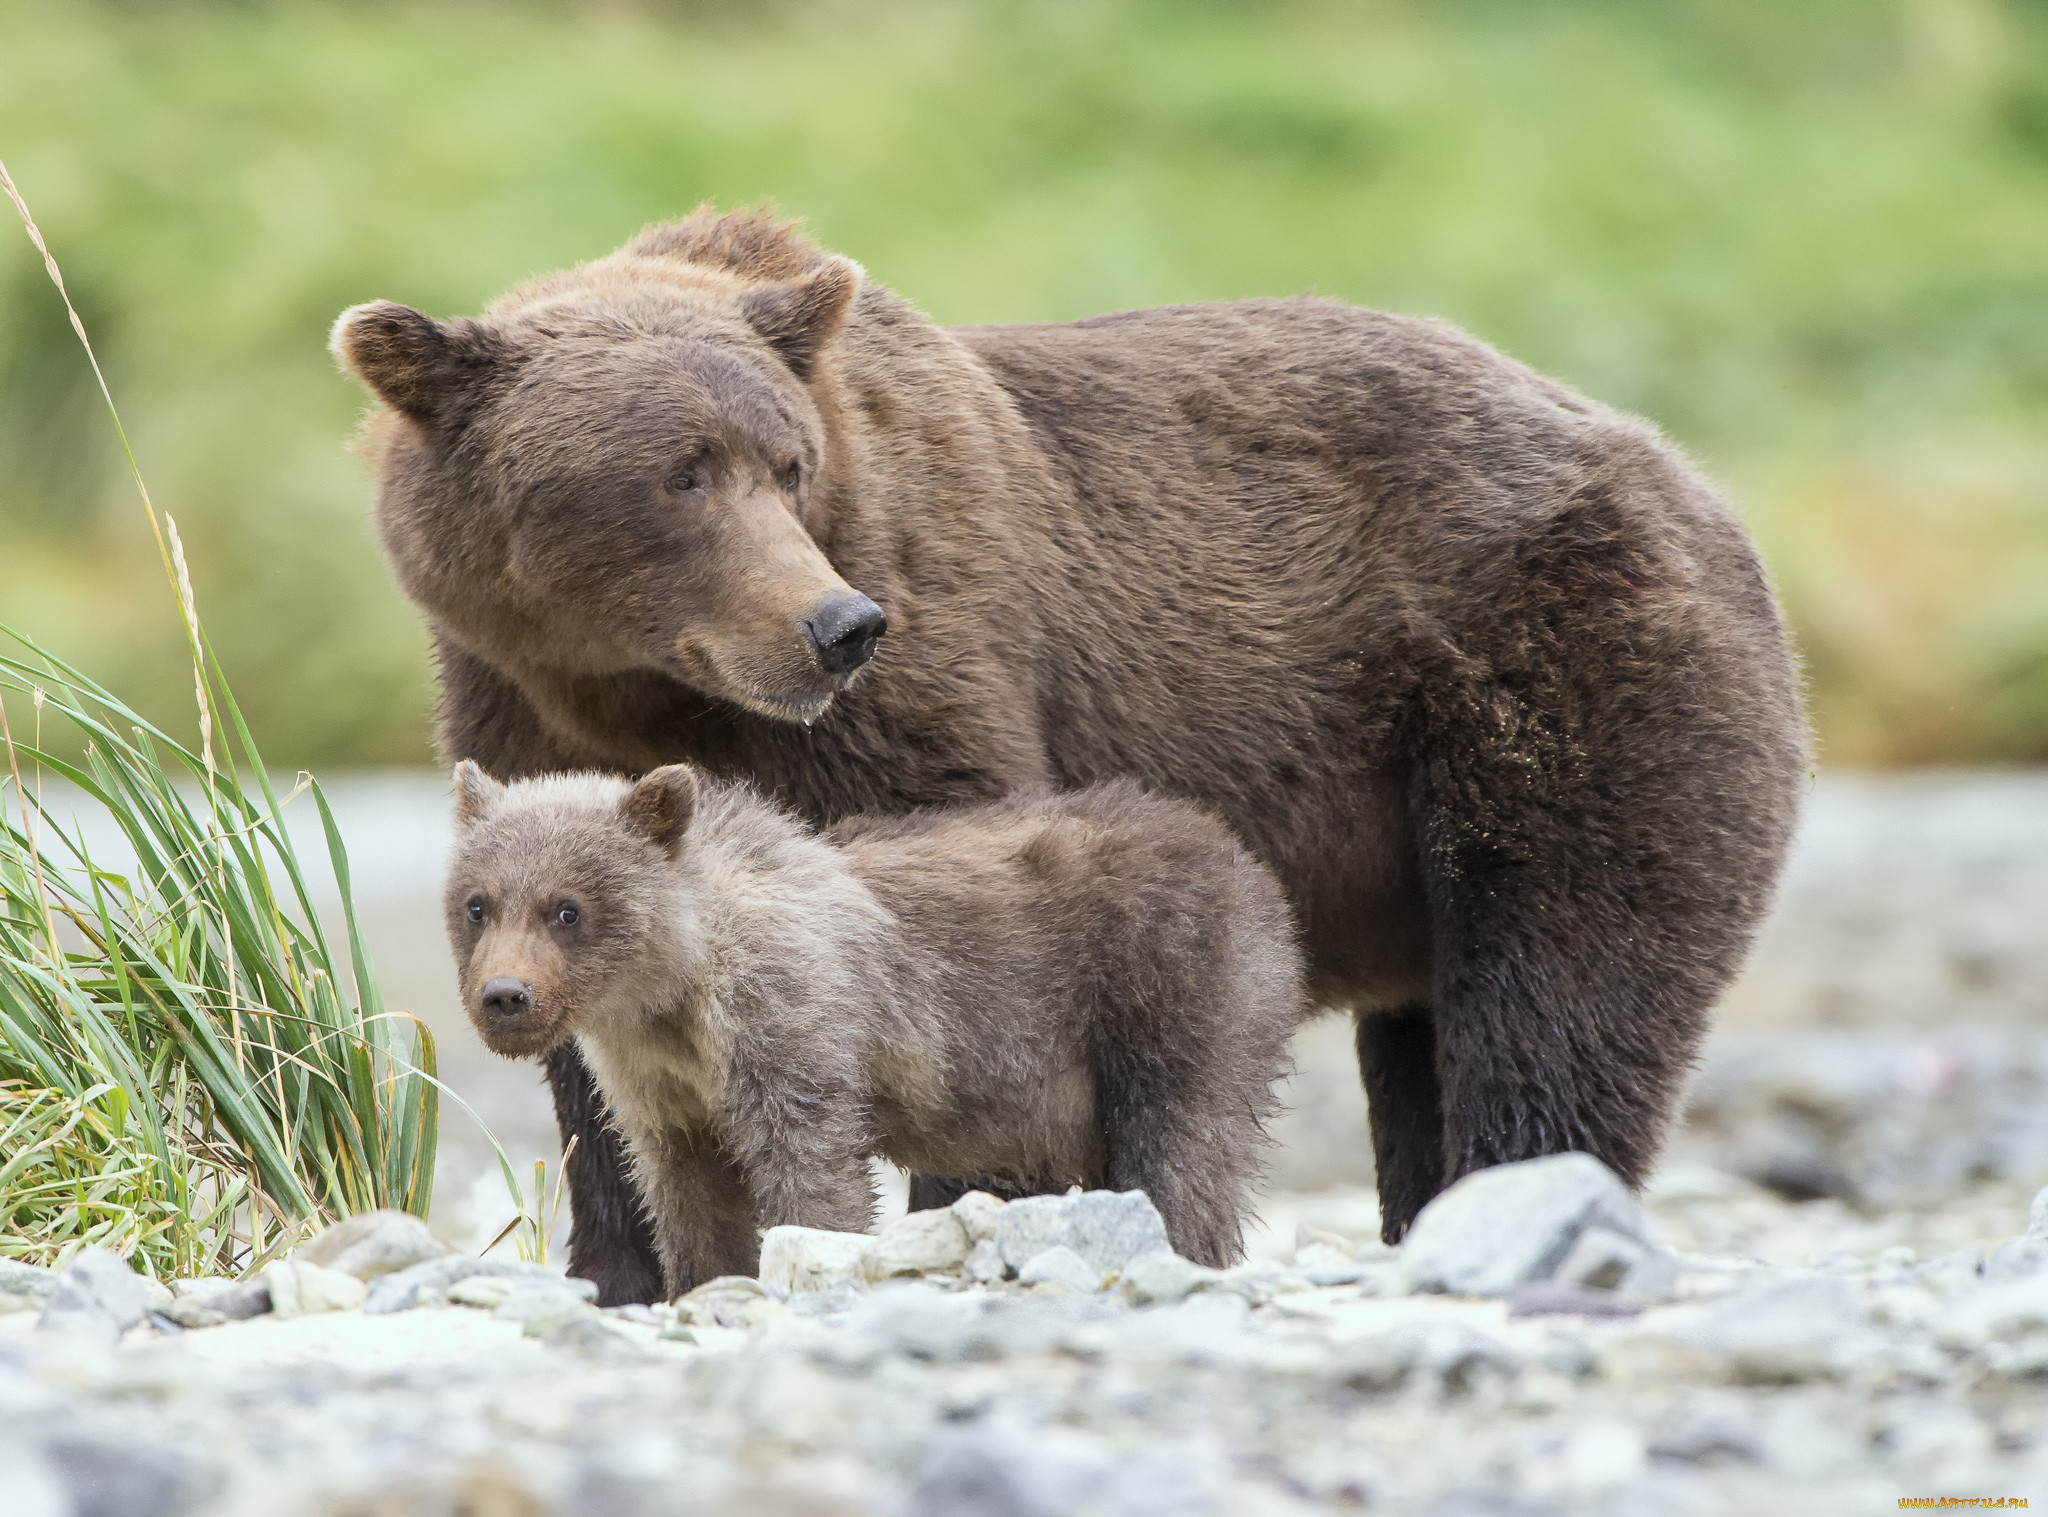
{"points": [[803, 1148], [697, 1199]]}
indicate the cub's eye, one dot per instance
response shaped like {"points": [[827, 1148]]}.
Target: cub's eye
{"points": [[694, 480], [567, 915], [792, 477], [476, 911]]}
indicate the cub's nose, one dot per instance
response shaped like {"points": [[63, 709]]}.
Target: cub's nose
{"points": [[507, 998], [843, 631]]}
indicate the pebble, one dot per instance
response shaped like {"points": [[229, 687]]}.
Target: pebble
{"points": [[811, 1259], [98, 1296], [1060, 1266], [1502, 1228], [918, 1243], [1163, 1277], [1108, 1229], [402, 1289], [372, 1243], [978, 1212], [300, 1289]]}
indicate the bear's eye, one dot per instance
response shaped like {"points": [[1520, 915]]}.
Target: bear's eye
{"points": [[567, 915], [792, 477], [476, 911], [694, 480]]}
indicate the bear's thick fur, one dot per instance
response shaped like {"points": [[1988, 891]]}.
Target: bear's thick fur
{"points": [[1094, 988], [1484, 671]]}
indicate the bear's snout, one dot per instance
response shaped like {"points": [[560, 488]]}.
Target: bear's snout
{"points": [[506, 1000], [842, 632]]}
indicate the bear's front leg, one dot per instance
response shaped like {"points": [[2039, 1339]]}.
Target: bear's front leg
{"points": [[697, 1198], [803, 1150]]}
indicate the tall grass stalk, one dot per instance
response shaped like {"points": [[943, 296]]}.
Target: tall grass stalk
{"points": [[184, 1076]]}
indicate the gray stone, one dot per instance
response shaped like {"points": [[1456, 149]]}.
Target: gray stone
{"points": [[33, 1487], [299, 1289], [985, 1262], [1061, 1266], [97, 1295], [1955, 1274], [400, 1290], [1163, 1276], [32, 1281], [810, 1259], [233, 1300], [120, 1476], [2000, 1311], [1549, 1298], [539, 1308], [1604, 1260], [919, 1243], [1051, 1472], [1784, 1330], [979, 1213], [372, 1243], [1512, 1225], [1108, 1229], [728, 1301], [1324, 1264], [585, 1334]]}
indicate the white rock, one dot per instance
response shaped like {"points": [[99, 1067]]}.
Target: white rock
{"points": [[488, 1292], [811, 1259], [18, 1279], [1999, 1311], [728, 1301], [98, 1295], [1604, 1260], [1500, 1228], [978, 1212], [401, 1290], [1163, 1276], [1782, 1330], [985, 1262], [1060, 1265], [1108, 1229], [919, 1243], [372, 1243], [298, 1289]]}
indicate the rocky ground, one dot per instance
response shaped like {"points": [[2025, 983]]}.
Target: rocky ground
{"points": [[1831, 1299]]}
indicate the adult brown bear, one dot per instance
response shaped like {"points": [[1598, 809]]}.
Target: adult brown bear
{"points": [[1484, 671]]}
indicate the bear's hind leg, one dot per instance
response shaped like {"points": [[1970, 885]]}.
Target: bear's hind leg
{"points": [[610, 1242], [1397, 1063]]}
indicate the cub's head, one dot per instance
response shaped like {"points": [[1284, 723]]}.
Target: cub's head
{"points": [[555, 888], [620, 468]]}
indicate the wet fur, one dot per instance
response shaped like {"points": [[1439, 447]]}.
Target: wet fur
{"points": [[1486, 673], [1094, 988]]}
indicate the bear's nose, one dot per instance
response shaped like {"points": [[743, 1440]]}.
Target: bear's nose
{"points": [[842, 632], [507, 998]]}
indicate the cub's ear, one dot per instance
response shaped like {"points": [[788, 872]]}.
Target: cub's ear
{"points": [[661, 805], [799, 318], [415, 364], [475, 793]]}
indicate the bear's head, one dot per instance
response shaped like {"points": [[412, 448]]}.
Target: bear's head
{"points": [[618, 470], [559, 889]]}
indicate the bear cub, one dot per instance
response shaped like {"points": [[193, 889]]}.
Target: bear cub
{"points": [[1094, 988]]}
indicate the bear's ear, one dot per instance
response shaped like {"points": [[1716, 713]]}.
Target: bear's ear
{"points": [[799, 318], [661, 806], [475, 793], [415, 364]]}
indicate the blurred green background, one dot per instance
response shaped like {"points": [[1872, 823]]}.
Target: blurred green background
{"points": [[1809, 238]]}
